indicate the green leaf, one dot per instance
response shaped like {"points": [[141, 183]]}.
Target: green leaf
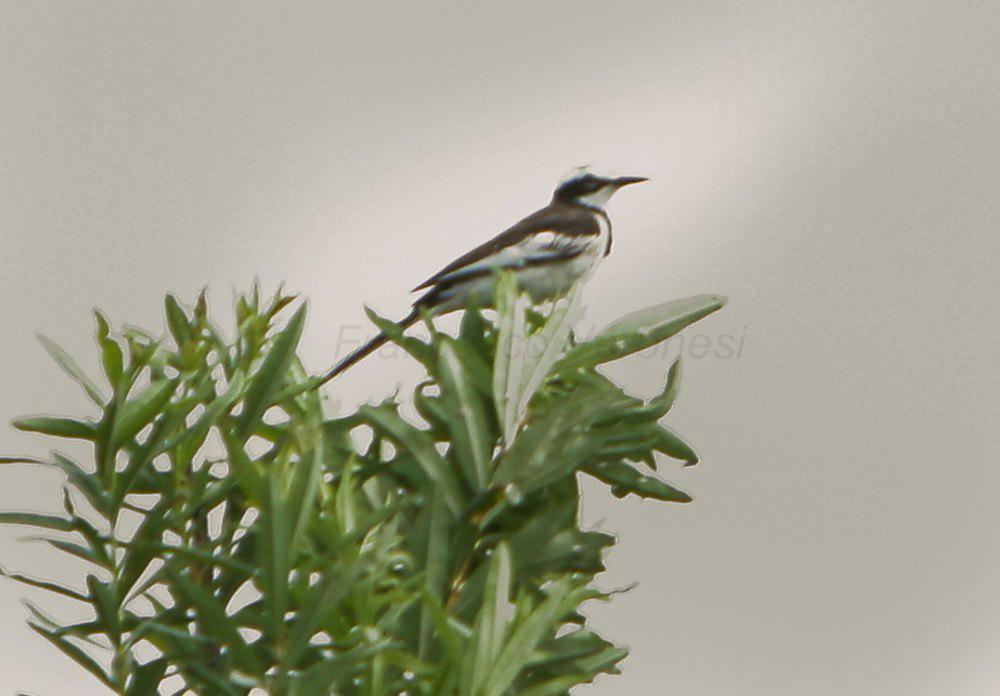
{"points": [[555, 443], [436, 565], [220, 685], [387, 420], [201, 308], [107, 608], [491, 623], [194, 436], [508, 366], [143, 546], [322, 676], [670, 443], [177, 321], [45, 585], [330, 591], [663, 402], [213, 614], [471, 434], [552, 542], [431, 408], [573, 646], [99, 559], [453, 634], [624, 479], [265, 383], [542, 621], [58, 427], [274, 556], [201, 557], [35, 519], [552, 337], [423, 352], [88, 485], [71, 368], [474, 330], [22, 460], [302, 492], [146, 678], [75, 653], [638, 331], [659, 405], [112, 358], [279, 302], [139, 411]]}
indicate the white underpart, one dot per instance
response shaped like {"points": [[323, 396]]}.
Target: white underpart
{"points": [[539, 247], [543, 281]]}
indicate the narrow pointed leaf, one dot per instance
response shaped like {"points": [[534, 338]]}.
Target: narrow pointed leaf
{"points": [[45, 585], [213, 613], [625, 479], [302, 493], [553, 337], [107, 609], [112, 359], [267, 381], [467, 422], [140, 411], [35, 519], [71, 368], [86, 483], [322, 676], [542, 621], [638, 331], [58, 427], [274, 556], [76, 653], [419, 443], [194, 436], [491, 623], [147, 678], [22, 460], [671, 444], [323, 597], [84, 553], [556, 442], [394, 332], [177, 321], [436, 565]]}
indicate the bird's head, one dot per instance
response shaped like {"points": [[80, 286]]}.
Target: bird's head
{"points": [[584, 186]]}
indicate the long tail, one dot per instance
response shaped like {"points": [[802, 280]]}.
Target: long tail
{"points": [[368, 348]]}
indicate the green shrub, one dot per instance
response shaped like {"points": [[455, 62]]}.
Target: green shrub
{"points": [[240, 539]]}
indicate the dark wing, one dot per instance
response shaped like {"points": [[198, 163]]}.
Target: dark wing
{"points": [[552, 232]]}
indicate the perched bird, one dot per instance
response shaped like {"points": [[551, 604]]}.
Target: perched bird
{"points": [[548, 251]]}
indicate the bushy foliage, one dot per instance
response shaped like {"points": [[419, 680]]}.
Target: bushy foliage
{"points": [[239, 539]]}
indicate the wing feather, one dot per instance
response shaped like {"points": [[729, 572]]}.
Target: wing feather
{"points": [[556, 231]]}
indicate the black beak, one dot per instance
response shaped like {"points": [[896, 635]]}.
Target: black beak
{"points": [[626, 180]]}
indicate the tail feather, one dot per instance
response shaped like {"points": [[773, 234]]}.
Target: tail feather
{"points": [[368, 348]]}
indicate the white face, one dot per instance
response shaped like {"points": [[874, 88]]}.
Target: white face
{"points": [[600, 197]]}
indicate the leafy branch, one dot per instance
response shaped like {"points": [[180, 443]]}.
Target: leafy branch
{"points": [[248, 540]]}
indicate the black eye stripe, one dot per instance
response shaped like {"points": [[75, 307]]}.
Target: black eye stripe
{"points": [[581, 186]]}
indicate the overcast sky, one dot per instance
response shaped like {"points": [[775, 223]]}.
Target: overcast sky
{"points": [[832, 167]]}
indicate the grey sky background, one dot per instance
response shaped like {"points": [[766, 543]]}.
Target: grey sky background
{"points": [[832, 167]]}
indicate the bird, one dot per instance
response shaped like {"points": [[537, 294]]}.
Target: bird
{"points": [[548, 251]]}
